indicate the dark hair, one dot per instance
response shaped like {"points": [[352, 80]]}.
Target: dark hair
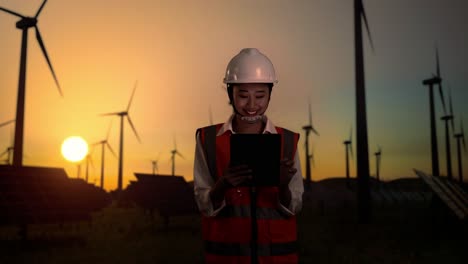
{"points": [[231, 93]]}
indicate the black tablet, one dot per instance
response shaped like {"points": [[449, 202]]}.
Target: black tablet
{"points": [[262, 153]]}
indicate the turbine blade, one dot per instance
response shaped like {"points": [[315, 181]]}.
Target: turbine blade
{"points": [[40, 9], [12, 136], [441, 92], [12, 12], [107, 114], [133, 128], [91, 161], [310, 114], [44, 51], [351, 150], [178, 153], [461, 126], [315, 131], [437, 61], [110, 148], [351, 134], [451, 109], [5, 152], [440, 84], [131, 98], [7, 122], [463, 135], [363, 13], [450, 102]]}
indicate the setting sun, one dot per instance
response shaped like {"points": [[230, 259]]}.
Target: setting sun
{"points": [[74, 148]]}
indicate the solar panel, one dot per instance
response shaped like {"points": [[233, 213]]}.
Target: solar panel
{"points": [[459, 192], [386, 196], [406, 196], [396, 195], [451, 195], [441, 188], [169, 195], [376, 197]]}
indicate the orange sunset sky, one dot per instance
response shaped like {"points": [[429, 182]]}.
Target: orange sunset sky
{"points": [[178, 51]]}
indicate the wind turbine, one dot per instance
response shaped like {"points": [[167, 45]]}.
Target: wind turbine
{"points": [[9, 149], [155, 164], [103, 144], [8, 153], [435, 80], [122, 115], [6, 123], [308, 128], [378, 156], [173, 153], [447, 118], [363, 190], [89, 160], [348, 149], [24, 24], [460, 137]]}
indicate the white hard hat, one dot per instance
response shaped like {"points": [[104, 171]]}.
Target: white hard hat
{"points": [[250, 66]]}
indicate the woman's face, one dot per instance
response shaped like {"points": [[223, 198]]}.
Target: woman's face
{"points": [[251, 99]]}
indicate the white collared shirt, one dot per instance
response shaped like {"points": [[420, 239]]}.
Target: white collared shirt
{"points": [[203, 182]]}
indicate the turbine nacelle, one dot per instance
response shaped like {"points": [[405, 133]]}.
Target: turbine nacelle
{"points": [[432, 81], [447, 117], [26, 22]]}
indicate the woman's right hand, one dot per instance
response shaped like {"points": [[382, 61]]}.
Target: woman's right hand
{"points": [[237, 175], [233, 176]]}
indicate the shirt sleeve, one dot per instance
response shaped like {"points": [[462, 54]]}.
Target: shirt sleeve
{"points": [[296, 186], [203, 182]]}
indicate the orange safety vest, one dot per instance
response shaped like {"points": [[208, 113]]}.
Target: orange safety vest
{"points": [[228, 236]]}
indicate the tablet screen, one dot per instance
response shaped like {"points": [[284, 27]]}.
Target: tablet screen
{"points": [[261, 152]]}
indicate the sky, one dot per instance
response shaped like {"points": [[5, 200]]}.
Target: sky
{"points": [[177, 52]]}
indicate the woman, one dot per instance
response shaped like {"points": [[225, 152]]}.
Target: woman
{"points": [[241, 223]]}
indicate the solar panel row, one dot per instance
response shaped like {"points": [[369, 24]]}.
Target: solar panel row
{"points": [[395, 196], [449, 192], [39, 195]]}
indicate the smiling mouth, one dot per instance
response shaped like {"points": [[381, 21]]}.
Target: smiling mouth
{"points": [[252, 113]]}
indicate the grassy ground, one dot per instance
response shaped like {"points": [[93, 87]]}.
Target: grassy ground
{"points": [[127, 235]]}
